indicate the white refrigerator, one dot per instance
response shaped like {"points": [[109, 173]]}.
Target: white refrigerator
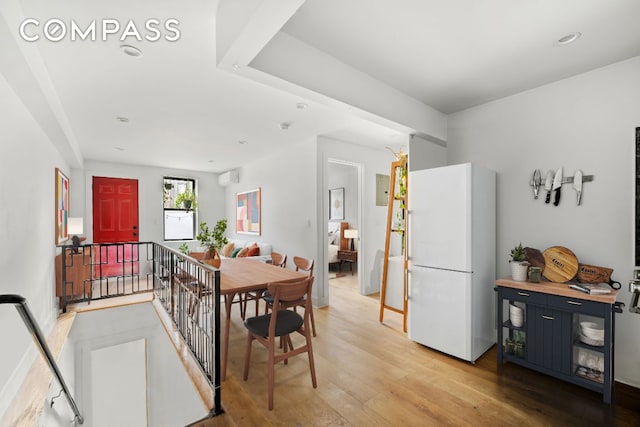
{"points": [[451, 243]]}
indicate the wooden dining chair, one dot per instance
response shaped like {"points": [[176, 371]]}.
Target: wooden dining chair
{"points": [[302, 264], [282, 323], [305, 264], [277, 259]]}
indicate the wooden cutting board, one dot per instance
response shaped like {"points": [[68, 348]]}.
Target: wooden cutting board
{"points": [[593, 274], [534, 257], [560, 264]]}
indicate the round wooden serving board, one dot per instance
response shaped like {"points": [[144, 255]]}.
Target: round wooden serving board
{"points": [[560, 264]]}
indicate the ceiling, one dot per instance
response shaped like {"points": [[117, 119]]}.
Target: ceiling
{"points": [[368, 72]]}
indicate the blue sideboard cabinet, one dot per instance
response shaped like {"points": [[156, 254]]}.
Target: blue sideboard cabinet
{"points": [[550, 339]]}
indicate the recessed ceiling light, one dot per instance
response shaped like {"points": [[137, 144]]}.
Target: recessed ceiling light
{"points": [[131, 50], [211, 161], [567, 39], [285, 125], [122, 119], [301, 105], [119, 148], [242, 142]]}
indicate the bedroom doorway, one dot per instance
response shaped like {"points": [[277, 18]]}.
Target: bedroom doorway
{"points": [[344, 249]]}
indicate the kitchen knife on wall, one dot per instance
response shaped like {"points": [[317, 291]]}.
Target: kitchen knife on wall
{"points": [[577, 184], [547, 185], [536, 182], [557, 186]]}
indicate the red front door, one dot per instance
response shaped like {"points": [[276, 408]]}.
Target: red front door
{"points": [[115, 210], [115, 219]]}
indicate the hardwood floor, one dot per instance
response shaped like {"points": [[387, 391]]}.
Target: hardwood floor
{"points": [[371, 374]]}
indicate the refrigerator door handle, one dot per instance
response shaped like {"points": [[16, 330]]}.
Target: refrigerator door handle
{"points": [[408, 284]]}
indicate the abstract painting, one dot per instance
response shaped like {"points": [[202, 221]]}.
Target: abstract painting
{"points": [[62, 207], [248, 212]]}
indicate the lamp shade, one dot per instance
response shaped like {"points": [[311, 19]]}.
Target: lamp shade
{"points": [[74, 226], [350, 233]]}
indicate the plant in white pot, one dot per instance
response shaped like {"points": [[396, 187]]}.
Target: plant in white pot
{"points": [[213, 241], [519, 266]]}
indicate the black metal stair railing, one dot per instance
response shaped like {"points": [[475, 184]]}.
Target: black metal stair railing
{"points": [[188, 290], [190, 293], [20, 303], [105, 270]]}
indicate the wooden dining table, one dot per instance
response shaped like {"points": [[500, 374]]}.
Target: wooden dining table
{"points": [[240, 275]]}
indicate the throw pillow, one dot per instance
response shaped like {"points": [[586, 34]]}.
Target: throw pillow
{"points": [[227, 249], [243, 252], [235, 252], [254, 250]]}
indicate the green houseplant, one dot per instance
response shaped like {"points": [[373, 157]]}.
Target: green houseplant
{"points": [[519, 265], [187, 199], [184, 248], [213, 240]]}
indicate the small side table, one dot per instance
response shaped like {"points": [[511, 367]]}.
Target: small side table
{"points": [[348, 256]]}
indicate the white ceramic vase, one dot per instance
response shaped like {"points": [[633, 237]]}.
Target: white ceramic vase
{"points": [[519, 271]]}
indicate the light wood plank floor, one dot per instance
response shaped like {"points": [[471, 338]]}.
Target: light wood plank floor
{"points": [[370, 374]]}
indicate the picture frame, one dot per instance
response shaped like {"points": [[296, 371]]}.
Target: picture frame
{"points": [[336, 203], [62, 207], [249, 212]]}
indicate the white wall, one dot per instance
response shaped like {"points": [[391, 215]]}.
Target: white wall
{"points": [[585, 122], [288, 201], [345, 176], [27, 163], [154, 366], [210, 196], [374, 218], [425, 154]]}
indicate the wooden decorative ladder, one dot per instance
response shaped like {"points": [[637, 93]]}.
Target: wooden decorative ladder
{"points": [[398, 172]]}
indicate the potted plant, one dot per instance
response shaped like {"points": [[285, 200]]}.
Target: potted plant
{"points": [[184, 248], [519, 265], [187, 199], [213, 241]]}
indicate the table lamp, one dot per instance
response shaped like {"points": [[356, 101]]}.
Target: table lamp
{"points": [[351, 234], [75, 227]]}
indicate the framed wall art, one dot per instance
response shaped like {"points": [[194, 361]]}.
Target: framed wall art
{"points": [[336, 203], [62, 207], [248, 212]]}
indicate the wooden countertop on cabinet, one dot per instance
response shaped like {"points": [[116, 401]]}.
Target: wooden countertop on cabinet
{"points": [[561, 289]]}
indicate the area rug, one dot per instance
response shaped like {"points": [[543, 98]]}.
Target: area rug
{"points": [[336, 275]]}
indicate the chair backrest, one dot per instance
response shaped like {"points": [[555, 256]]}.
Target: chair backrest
{"points": [[278, 259], [290, 293], [290, 290], [303, 264]]}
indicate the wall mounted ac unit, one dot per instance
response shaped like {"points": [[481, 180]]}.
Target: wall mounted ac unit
{"points": [[230, 177]]}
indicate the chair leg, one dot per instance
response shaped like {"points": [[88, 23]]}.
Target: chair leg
{"points": [[284, 343], [258, 298], [312, 366], [243, 305], [247, 356], [313, 321], [271, 375]]}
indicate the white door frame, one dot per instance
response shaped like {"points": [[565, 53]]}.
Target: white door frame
{"points": [[361, 228]]}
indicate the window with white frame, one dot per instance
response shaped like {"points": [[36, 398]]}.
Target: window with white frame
{"points": [[179, 208]]}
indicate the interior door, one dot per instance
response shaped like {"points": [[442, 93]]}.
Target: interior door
{"points": [[115, 219]]}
